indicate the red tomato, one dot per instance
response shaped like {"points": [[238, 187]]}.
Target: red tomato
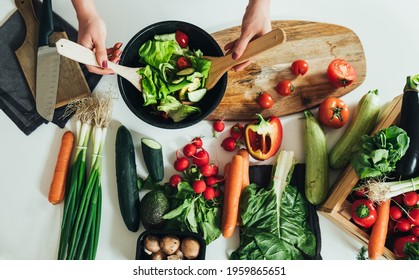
{"points": [[183, 62], [182, 39], [299, 67], [285, 87], [341, 73], [265, 100], [333, 112]]}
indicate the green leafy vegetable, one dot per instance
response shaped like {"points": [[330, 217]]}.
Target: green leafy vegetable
{"points": [[160, 81], [274, 219], [175, 109], [380, 152]]}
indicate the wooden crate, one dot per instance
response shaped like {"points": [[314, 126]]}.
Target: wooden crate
{"points": [[337, 206]]}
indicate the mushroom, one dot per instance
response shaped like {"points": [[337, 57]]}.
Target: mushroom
{"points": [[169, 244], [158, 256], [190, 248], [151, 243]]}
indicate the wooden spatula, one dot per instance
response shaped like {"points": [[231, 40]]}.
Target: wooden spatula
{"points": [[83, 55], [220, 65]]}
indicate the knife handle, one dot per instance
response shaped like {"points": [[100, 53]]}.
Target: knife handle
{"points": [[46, 25]]}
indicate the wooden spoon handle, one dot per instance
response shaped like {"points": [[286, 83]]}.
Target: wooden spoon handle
{"points": [[220, 65], [76, 52], [259, 45]]}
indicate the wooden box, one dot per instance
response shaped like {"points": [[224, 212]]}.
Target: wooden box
{"points": [[337, 206]]}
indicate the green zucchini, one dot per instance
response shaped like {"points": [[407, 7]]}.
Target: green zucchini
{"points": [[153, 158], [363, 122], [317, 166], [126, 179]]}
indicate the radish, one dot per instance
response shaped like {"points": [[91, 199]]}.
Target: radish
{"points": [[189, 150], [201, 158], [229, 144], [181, 163], [209, 193], [218, 125], [207, 169], [175, 180], [199, 186], [197, 141]]}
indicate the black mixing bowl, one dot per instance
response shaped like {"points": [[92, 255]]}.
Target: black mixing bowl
{"points": [[198, 39]]}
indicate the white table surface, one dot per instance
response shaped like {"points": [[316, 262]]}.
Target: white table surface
{"points": [[29, 224]]}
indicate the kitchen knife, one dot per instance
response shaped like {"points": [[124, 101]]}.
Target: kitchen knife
{"points": [[47, 66]]}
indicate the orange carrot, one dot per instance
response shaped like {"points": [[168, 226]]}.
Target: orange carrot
{"points": [[245, 154], [57, 188], [379, 230], [232, 196]]}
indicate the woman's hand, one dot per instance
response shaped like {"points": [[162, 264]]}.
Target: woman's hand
{"points": [[92, 35], [256, 22]]}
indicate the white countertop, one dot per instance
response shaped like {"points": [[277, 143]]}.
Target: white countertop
{"points": [[30, 224]]}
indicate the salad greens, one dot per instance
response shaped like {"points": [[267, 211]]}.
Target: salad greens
{"points": [[164, 83], [274, 219], [380, 152]]}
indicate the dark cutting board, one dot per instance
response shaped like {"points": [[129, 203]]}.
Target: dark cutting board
{"points": [[317, 43]]}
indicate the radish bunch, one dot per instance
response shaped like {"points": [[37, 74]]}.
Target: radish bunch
{"points": [[193, 163]]}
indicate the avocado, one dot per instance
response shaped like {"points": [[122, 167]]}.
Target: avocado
{"points": [[153, 206]]}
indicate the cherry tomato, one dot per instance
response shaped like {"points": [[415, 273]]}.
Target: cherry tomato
{"points": [[341, 73], [410, 198], [265, 100], [299, 67], [285, 87], [183, 62], [182, 39], [333, 112]]}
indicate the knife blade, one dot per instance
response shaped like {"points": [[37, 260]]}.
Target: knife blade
{"points": [[47, 66]]}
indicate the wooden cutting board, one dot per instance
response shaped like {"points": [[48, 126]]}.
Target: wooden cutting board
{"points": [[72, 83], [317, 43]]}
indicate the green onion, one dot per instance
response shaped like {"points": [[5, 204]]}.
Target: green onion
{"points": [[379, 191], [83, 201]]}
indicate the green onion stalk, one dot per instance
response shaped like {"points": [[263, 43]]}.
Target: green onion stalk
{"points": [[83, 201], [379, 191]]}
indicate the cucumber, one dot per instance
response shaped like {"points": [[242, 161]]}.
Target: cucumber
{"points": [[153, 158], [186, 71], [126, 179], [197, 95], [363, 122], [317, 166]]}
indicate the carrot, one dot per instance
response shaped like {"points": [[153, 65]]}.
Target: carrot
{"points": [[246, 179], [57, 188], [378, 234], [232, 196]]}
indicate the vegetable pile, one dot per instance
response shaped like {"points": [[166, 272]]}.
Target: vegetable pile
{"points": [[195, 192], [174, 76]]}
